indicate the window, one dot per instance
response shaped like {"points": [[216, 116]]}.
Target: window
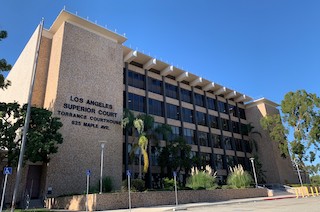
{"points": [[155, 107], [171, 91], [187, 115], [228, 143], [185, 95], [233, 110], [136, 80], [199, 99], [216, 141], [248, 147], [154, 156], [201, 118], [244, 129], [188, 135], [158, 135], [175, 133], [211, 103], [136, 102], [222, 107], [241, 160], [213, 122], [225, 124], [235, 127], [173, 111], [205, 158], [219, 162], [203, 139], [230, 160], [238, 143], [154, 85], [242, 113]]}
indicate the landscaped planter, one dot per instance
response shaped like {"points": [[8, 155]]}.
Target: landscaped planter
{"points": [[119, 200]]}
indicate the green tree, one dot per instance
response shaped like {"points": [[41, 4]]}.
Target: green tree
{"points": [[4, 66], [300, 111], [277, 132], [176, 157], [10, 123], [42, 136], [252, 133]]}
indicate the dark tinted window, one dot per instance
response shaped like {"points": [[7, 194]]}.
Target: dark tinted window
{"points": [[223, 107], [242, 113], [173, 111], [203, 139], [171, 91], [155, 107], [136, 102], [155, 85], [201, 118], [225, 124], [199, 99], [228, 143], [185, 95], [219, 161], [187, 115], [236, 127], [188, 135], [211, 103], [216, 141], [136, 80], [213, 121]]}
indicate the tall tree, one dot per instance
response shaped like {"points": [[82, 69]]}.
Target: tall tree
{"points": [[300, 111], [4, 66]]}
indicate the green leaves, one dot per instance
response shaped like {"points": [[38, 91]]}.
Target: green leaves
{"points": [[277, 132], [42, 136], [300, 111], [4, 66]]}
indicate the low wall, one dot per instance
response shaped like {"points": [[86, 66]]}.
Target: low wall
{"points": [[119, 200]]}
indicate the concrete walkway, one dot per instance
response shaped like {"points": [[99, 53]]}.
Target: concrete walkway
{"points": [[277, 195]]}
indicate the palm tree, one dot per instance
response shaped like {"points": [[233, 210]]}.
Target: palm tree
{"points": [[251, 132]]}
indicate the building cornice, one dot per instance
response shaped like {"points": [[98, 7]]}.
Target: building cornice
{"points": [[262, 101], [66, 16]]}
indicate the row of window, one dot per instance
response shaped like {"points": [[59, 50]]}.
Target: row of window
{"points": [[139, 81], [137, 103], [205, 159], [218, 160]]}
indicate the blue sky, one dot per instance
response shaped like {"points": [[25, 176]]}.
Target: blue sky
{"points": [[262, 48]]}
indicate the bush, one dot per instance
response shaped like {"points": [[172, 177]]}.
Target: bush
{"points": [[107, 184], [168, 183], [135, 184], [238, 178], [201, 179]]}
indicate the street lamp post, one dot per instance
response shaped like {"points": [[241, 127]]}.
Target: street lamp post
{"points": [[298, 170], [254, 172], [101, 164]]}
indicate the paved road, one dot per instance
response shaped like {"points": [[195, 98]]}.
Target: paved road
{"points": [[283, 205]]}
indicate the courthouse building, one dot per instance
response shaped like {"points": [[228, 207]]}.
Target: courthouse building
{"points": [[86, 76]]}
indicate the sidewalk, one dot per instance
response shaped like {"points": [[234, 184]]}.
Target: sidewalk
{"points": [[192, 205]]}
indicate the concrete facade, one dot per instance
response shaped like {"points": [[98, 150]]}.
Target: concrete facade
{"points": [[80, 78]]}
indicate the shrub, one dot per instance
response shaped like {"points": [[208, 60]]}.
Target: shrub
{"points": [[107, 184], [202, 179], [168, 183], [238, 178], [135, 184]]}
